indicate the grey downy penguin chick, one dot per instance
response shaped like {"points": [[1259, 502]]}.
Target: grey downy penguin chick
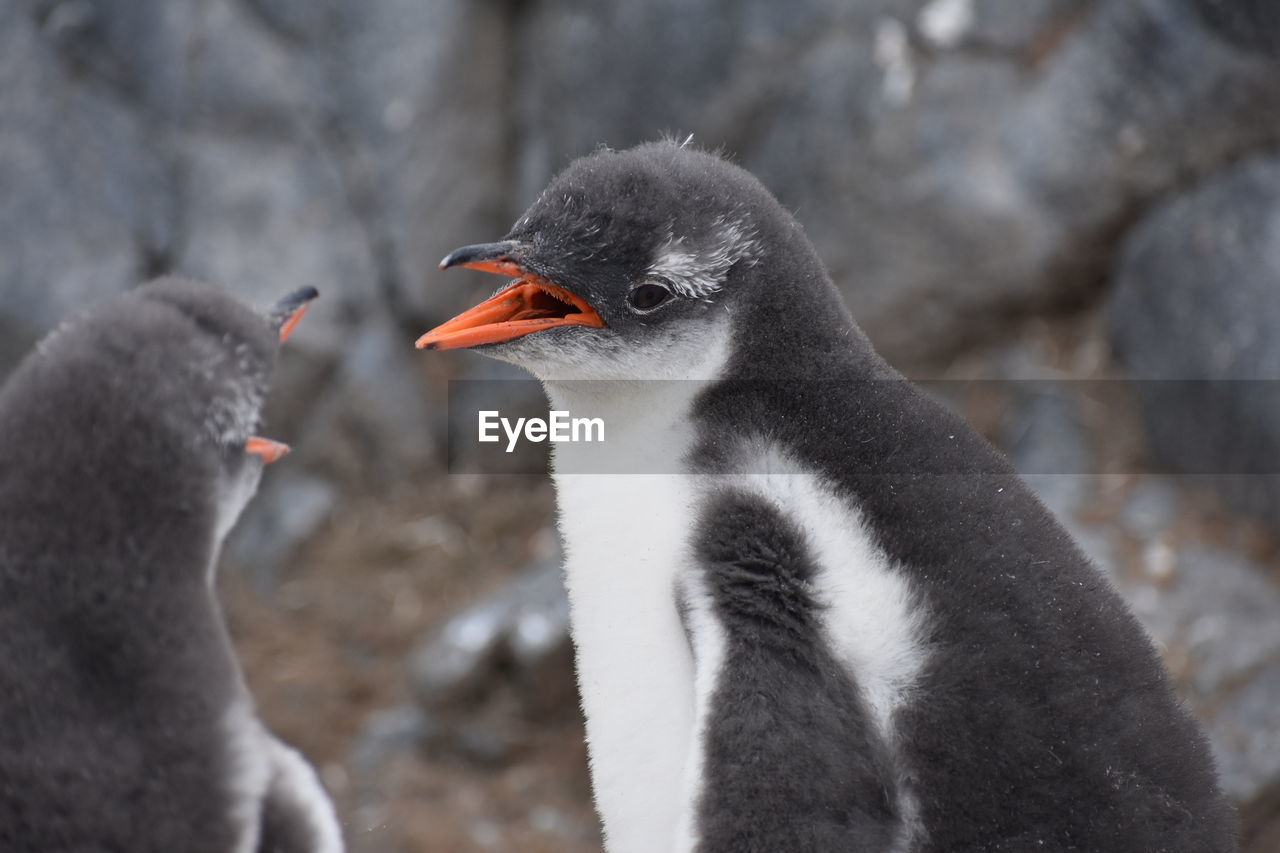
{"points": [[127, 452], [813, 610]]}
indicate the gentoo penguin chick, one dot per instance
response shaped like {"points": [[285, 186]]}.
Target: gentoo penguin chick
{"points": [[830, 616], [127, 446]]}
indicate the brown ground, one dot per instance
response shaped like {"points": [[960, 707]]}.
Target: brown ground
{"points": [[327, 649]]}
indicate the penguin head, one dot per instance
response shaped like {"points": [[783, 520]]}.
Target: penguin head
{"points": [[631, 264], [149, 403], [214, 390]]}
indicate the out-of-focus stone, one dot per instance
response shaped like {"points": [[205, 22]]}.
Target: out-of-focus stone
{"points": [[191, 62], [264, 217], [948, 178], [1028, 29], [347, 398], [523, 626], [1243, 731], [263, 145], [1252, 24], [289, 507], [454, 662], [387, 732], [423, 100], [84, 193], [1193, 318], [496, 665], [955, 160], [1223, 610], [1044, 440]]}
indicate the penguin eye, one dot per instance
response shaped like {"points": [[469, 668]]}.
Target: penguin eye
{"points": [[647, 296]]}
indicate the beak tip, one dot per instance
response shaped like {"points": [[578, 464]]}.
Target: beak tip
{"points": [[488, 257], [286, 312]]}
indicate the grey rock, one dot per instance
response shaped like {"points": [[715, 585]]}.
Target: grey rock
{"points": [[554, 822], [483, 744], [423, 95], [262, 217], [1193, 318], [393, 732], [956, 160], [1026, 29], [346, 396], [1243, 734], [385, 733], [1045, 441], [948, 184], [84, 195], [1042, 430], [306, 22], [1225, 612], [290, 506], [1151, 507], [523, 625], [455, 660], [375, 426], [186, 61], [259, 144], [1251, 24], [494, 666]]}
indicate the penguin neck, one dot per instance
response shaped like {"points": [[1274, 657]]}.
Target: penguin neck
{"points": [[126, 532], [796, 325]]}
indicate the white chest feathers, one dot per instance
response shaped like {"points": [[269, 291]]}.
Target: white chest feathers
{"points": [[266, 773], [628, 539]]}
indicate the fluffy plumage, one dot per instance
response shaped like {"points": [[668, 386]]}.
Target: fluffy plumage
{"points": [[892, 645], [125, 724]]}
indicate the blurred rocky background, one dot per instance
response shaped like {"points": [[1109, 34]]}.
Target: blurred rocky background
{"points": [[1061, 193]]}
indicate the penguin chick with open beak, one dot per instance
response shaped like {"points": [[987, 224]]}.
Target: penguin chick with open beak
{"points": [[128, 450], [814, 610]]}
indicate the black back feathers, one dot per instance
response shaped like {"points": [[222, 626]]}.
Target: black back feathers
{"points": [[124, 721]]}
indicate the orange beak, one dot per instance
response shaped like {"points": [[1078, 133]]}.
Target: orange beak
{"points": [[269, 450], [529, 304], [285, 314], [291, 322]]}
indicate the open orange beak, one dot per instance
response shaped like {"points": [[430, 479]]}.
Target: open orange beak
{"points": [[285, 315], [529, 304]]}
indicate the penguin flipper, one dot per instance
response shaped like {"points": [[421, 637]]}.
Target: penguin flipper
{"points": [[297, 814], [785, 754]]}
